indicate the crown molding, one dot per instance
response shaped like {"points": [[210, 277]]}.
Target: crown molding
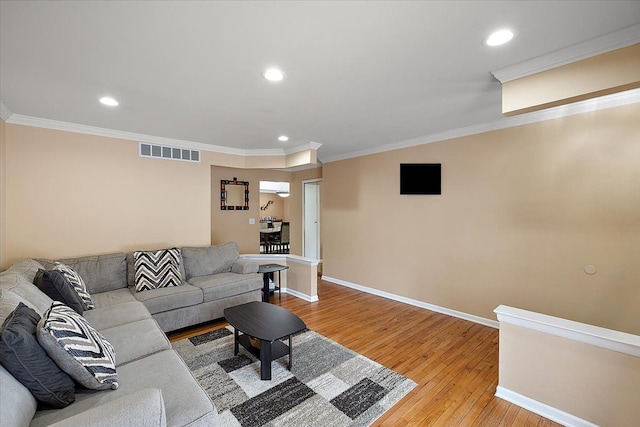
{"points": [[303, 147], [283, 151], [302, 167], [596, 46], [5, 113], [601, 103], [608, 101], [110, 133], [264, 152]]}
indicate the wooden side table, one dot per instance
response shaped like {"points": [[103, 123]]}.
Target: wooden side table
{"points": [[266, 270]]}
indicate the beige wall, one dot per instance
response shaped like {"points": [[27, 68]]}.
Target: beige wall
{"points": [[234, 225], [71, 194], [227, 226], [3, 192], [592, 383], [523, 210], [301, 278]]}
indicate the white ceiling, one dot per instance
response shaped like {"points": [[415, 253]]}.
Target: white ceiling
{"points": [[359, 74]]}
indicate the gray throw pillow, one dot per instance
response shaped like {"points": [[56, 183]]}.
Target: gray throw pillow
{"points": [[27, 361], [57, 287], [78, 348], [203, 261]]}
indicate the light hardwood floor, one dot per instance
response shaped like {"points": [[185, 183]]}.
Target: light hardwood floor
{"points": [[453, 361]]}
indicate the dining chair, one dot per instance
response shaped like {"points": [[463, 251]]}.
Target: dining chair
{"points": [[282, 246], [274, 240], [263, 244]]}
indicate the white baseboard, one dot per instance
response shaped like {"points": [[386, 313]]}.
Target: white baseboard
{"points": [[540, 408], [421, 304], [300, 295]]}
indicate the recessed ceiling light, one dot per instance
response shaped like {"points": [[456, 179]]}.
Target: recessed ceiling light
{"points": [[499, 37], [283, 138], [107, 100], [273, 75]]}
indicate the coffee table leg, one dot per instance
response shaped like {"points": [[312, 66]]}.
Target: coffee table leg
{"points": [[265, 360], [290, 353], [235, 341]]}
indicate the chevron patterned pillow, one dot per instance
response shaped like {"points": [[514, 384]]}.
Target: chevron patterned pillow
{"points": [[157, 269], [77, 348], [77, 283]]}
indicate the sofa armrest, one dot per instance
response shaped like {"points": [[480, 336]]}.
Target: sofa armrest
{"points": [[144, 408], [244, 266]]}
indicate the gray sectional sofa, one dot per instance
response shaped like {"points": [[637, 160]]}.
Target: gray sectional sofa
{"points": [[155, 386]]}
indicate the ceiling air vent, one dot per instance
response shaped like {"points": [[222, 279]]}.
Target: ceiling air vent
{"points": [[169, 153]]}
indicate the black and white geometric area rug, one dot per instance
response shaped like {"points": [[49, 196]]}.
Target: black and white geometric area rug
{"points": [[329, 385]]}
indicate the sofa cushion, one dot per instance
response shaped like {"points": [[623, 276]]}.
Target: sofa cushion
{"points": [[78, 348], [18, 404], [115, 315], [27, 361], [19, 285], [110, 298], [135, 340], [8, 302], [131, 269], [57, 287], [164, 299], [27, 267], [144, 408], [77, 282], [224, 285], [208, 260], [101, 273], [157, 269], [186, 404]]}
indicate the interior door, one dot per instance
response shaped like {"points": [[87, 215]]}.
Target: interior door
{"points": [[311, 214]]}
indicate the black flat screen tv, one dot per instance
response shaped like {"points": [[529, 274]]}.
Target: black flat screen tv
{"points": [[420, 178]]}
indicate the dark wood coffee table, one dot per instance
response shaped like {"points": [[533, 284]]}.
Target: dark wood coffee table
{"points": [[267, 323]]}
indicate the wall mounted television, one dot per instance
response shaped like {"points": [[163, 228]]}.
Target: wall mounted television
{"points": [[420, 178]]}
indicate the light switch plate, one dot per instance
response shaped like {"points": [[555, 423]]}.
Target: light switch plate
{"points": [[252, 221]]}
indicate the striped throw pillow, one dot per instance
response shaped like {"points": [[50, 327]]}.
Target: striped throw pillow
{"points": [[77, 283], [157, 269], [77, 348]]}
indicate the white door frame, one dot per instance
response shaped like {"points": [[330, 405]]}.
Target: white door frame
{"points": [[309, 181]]}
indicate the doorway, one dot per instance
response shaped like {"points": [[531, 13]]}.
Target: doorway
{"points": [[311, 218], [274, 217]]}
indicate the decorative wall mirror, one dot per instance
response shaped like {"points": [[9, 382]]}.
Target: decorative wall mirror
{"points": [[234, 195]]}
